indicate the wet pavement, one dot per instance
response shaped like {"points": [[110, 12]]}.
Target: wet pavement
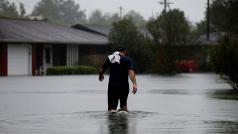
{"points": [[77, 105]]}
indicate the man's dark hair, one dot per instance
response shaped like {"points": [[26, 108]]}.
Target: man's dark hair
{"points": [[120, 49]]}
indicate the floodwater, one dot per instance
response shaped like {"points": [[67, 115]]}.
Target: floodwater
{"points": [[78, 104]]}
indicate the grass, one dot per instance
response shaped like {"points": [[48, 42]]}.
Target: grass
{"points": [[226, 94]]}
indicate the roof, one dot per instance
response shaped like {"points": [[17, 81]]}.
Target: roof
{"points": [[99, 29], [105, 29], [202, 39], [35, 31]]}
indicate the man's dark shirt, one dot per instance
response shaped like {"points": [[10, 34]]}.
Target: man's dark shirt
{"points": [[119, 72]]}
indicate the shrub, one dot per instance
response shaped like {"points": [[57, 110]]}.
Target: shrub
{"points": [[65, 70], [224, 59], [225, 94]]}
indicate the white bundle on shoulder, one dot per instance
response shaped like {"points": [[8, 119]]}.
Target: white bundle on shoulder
{"points": [[115, 57]]}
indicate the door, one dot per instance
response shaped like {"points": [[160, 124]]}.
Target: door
{"points": [[19, 60]]}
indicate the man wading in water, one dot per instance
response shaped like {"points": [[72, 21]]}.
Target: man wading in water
{"points": [[118, 88]]}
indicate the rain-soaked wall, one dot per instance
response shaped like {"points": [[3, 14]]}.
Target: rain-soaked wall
{"points": [[3, 60]]}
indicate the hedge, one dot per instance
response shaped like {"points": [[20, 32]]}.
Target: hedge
{"points": [[224, 59], [66, 70]]}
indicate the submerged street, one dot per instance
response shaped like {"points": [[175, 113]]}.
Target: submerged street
{"points": [[182, 104]]}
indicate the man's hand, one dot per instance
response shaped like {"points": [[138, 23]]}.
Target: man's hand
{"points": [[133, 80], [101, 77], [134, 89]]}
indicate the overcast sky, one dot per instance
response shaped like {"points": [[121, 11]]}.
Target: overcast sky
{"points": [[194, 9]]}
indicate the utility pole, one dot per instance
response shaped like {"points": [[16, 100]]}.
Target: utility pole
{"points": [[120, 11], [166, 4], [208, 20]]}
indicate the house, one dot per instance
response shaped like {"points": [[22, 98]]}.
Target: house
{"points": [[213, 39], [191, 57], [105, 29], [29, 47], [98, 29], [195, 55]]}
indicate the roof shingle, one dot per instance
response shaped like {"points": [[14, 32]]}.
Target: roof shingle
{"points": [[35, 31]]}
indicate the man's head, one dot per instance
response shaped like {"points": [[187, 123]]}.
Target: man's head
{"points": [[121, 50]]}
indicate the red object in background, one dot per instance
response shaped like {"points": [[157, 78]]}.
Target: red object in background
{"points": [[3, 60], [187, 65]]}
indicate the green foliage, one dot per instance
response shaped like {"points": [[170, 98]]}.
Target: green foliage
{"points": [[98, 18], [224, 15], [170, 28], [137, 19], [224, 59], [22, 10], [164, 62], [201, 28], [8, 9], [65, 12], [112, 18], [125, 33], [65, 70], [226, 94]]}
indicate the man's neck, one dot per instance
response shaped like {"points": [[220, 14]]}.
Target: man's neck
{"points": [[122, 54]]}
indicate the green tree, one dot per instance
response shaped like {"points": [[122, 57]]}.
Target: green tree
{"points": [[65, 12], [223, 15], [112, 18], [224, 58], [136, 18], [22, 10], [170, 28], [97, 17], [201, 27], [8, 9], [125, 33]]}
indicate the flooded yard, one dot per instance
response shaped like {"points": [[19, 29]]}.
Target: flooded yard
{"points": [[77, 105]]}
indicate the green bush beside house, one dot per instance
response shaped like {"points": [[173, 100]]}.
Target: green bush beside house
{"points": [[224, 59], [73, 70]]}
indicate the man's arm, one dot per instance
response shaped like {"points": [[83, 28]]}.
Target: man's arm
{"points": [[101, 77], [103, 69], [132, 76]]}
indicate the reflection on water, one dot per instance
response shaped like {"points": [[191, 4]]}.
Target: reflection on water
{"points": [[171, 91], [77, 105], [225, 127], [124, 123], [117, 124]]}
